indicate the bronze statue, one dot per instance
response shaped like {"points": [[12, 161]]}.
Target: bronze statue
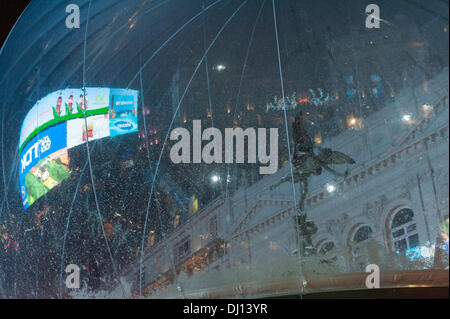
{"points": [[306, 163]]}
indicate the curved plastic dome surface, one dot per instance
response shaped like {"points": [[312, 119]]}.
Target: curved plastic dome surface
{"points": [[174, 148]]}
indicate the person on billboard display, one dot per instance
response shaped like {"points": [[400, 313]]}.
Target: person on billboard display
{"points": [[69, 105], [85, 102], [57, 109], [81, 106]]}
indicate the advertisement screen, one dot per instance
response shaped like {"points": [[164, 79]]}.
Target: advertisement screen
{"points": [[65, 119], [44, 164], [97, 127], [123, 112], [61, 106]]}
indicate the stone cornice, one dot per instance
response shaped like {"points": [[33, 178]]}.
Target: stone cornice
{"points": [[374, 167]]}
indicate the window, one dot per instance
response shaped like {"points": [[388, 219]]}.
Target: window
{"points": [[404, 230], [326, 247], [213, 226], [362, 234], [183, 249]]}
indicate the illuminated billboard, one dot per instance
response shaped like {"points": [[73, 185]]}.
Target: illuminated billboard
{"points": [[123, 112], [61, 106], [44, 164], [65, 119], [97, 127]]}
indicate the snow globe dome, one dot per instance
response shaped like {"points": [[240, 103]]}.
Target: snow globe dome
{"points": [[156, 144]]}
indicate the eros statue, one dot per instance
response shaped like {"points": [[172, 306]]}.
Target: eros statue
{"points": [[306, 163]]}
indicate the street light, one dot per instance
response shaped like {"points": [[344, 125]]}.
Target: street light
{"points": [[331, 188], [406, 118], [220, 67], [215, 178]]}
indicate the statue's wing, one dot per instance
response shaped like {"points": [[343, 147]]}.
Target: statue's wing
{"points": [[340, 158]]}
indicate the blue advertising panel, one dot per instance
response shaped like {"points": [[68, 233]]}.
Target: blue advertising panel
{"points": [[123, 112], [43, 163]]}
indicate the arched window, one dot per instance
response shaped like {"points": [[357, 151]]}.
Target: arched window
{"points": [[404, 230], [362, 234], [326, 247]]}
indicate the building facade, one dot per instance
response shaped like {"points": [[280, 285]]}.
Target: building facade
{"points": [[387, 212]]}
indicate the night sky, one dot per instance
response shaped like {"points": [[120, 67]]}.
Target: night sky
{"points": [[9, 13]]}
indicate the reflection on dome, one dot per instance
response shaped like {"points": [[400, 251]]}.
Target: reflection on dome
{"points": [[316, 134]]}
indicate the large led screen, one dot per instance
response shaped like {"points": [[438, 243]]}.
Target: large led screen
{"points": [[62, 106], [44, 163], [123, 112], [65, 119]]}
